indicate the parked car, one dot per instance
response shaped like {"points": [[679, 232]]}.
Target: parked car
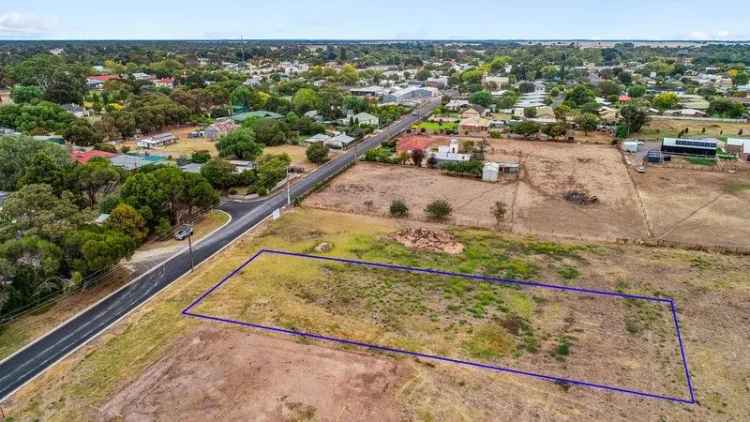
{"points": [[183, 232]]}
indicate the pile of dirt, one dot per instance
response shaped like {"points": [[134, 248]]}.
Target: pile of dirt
{"points": [[429, 240], [580, 197]]}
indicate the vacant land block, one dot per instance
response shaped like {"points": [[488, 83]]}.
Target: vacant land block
{"points": [[697, 207], [550, 332], [535, 201], [659, 128]]}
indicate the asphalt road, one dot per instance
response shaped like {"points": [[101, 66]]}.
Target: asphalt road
{"points": [[37, 357]]}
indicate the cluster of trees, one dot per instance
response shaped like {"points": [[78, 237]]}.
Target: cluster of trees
{"points": [[48, 242]]}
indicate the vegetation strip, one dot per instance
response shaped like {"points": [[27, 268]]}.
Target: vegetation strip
{"points": [[495, 280]]}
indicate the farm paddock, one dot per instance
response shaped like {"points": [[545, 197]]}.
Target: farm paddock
{"points": [[159, 365], [534, 201]]}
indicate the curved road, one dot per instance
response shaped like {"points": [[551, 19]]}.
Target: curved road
{"points": [[31, 361]]}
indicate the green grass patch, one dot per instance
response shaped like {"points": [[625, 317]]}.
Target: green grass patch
{"points": [[701, 161]]}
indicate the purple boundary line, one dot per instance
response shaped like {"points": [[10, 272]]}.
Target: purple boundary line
{"points": [[550, 378]]}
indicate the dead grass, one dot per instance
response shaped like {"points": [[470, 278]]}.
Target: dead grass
{"points": [[659, 128]]}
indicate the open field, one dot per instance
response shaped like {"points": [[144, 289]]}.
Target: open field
{"points": [[535, 200], [296, 153], [659, 128], [159, 365], [697, 207], [17, 334], [565, 334]]}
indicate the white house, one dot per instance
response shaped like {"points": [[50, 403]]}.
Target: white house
{"points": [[412, 93], [320, 137], [451, 152], [363, 119], [490, 172], [157, 141]]}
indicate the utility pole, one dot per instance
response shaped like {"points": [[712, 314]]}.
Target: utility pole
{"points": [[190, 247], [288, 189]]}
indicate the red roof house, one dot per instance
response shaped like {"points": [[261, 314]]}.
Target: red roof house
{"points": [[413, 142], [83, 157]]}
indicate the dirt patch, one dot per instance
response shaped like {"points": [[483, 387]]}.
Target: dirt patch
{"points": [[580, 197], [429, 240], [223, 374]]}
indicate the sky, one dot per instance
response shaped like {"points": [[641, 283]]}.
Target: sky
{"points": [[382, 19]]}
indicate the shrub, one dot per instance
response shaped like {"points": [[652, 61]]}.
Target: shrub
{"points": [[439, 209], [471, 167], [317, 153], [399, 208], [417, 156], [200, 157]]}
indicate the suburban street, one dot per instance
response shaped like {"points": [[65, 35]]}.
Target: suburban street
{"points": [[37, 357]]}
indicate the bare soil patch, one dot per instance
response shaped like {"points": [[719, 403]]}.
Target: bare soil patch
{"points": [[697, 207], [429, 240], [225, 374]]}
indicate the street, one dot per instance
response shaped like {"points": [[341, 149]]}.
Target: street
{"points": [[31, 361]]}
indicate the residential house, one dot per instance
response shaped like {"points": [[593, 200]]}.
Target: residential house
{"points": [[75, 110], [450, 152], [241, 166], [3, 197], [472, 124], [157, 141], [339, 141], [97, 81], [361, 119], [492, 170], [495, 82], [220, 128], [440, 83], [194, 168], [133, 162], [314, 115], [407, 144], [260, 114], [373, 91], [164, 83], [456, 105], [317, 138], [140, 76]]}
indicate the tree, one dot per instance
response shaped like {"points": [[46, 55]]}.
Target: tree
{"points": [[608, 88], [29, 269], [242, 96], [526, 87], [666, 100], [423, 74], [398, 208], [499, 210], [482, 98], [633, 118], [95, 177], [18, 153], [129, 221], [438, 210], [198, 193], [200, 157], [305, 99], [555, 130], [271, 169], [219, 173], [637, 91], [579, 95], [270, 132], [626, 78], [562, 112], [239, 143], [97, 248], [81, 133], [724, 107], [349, 74], [25, 93], [417, 156], [526, 128], [38, 118], [317, 153], [529, 112], [587, 122], [35, 210]]}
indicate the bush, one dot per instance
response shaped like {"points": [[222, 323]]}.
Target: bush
{"points": [[399, 208], [317, 153], [200, 157], [439, 209], [469, 168]]}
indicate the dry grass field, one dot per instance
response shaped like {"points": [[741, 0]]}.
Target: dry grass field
{"points": [[157, 364], [674, 204], [535, 199], [659, 128], [697, 207]]}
